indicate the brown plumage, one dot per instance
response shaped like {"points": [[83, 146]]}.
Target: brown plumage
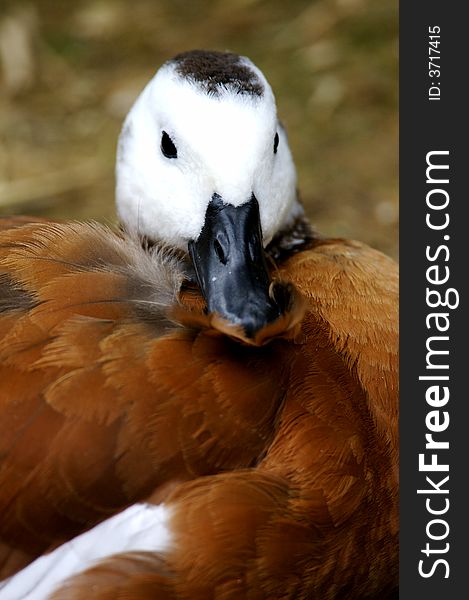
{"points": [[278, 459]]}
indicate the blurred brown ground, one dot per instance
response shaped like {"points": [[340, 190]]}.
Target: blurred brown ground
{"points": [[69, 72]]}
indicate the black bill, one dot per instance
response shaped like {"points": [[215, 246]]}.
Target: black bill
{"points": [[230, 265]]}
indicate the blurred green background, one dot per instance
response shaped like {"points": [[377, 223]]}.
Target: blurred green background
{"points": [[69, 71]]}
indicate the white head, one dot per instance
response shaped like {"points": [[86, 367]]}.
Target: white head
{"points": [[217, 112], [204, 166]]}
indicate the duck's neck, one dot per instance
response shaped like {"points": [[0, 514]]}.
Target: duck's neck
{"points": [[296, 237]]}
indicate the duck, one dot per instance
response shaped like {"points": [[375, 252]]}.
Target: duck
{"points": [[203, 402]]}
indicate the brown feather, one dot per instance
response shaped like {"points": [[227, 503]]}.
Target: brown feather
{"points": [[279, 459]]}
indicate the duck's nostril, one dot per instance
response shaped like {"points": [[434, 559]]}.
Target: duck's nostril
{"points": [[253, 251], [222, 257]]}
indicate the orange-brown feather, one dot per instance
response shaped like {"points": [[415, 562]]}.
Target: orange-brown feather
{"points": [[113, 407], [279, 460]]}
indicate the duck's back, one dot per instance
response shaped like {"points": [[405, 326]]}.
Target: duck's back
{"points": [[107, 399]]}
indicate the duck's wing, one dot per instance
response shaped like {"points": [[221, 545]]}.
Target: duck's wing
{"points": [[103, 398], [240, 535], [226, 536], [139, 531]]}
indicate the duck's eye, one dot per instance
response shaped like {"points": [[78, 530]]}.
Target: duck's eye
{"points": [[276, 140], [167, 146]]}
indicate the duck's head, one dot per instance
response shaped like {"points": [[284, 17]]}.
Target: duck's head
{"points": [[204, 166]]}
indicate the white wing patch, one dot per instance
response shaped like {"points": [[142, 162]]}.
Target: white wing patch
{"points": [[141, 527]]}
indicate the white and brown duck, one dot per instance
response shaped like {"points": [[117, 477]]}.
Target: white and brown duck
{"points": [[204, 403]]}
